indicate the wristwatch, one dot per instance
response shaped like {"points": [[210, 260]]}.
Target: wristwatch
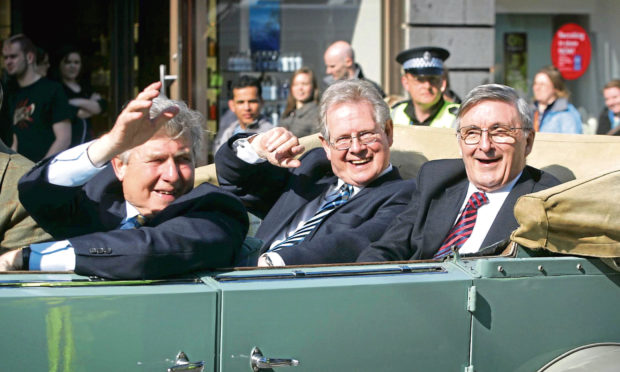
{"points": [[26, 258]]}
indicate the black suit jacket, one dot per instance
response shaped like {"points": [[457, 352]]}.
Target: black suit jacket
{"points": [[278, 194], [418, 232], [200, 230]]}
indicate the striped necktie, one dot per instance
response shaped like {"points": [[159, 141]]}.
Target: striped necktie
{"points": [[461, 231], [133, 222], [332, 201]]}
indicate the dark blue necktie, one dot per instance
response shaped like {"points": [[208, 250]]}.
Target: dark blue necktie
{"points": [[133, 222]]}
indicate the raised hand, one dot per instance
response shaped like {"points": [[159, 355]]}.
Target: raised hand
{"points": [[132, 128], [279, 147]]}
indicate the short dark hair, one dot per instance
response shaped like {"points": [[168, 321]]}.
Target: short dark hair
{"points": [[26, 45], [245, 81]]}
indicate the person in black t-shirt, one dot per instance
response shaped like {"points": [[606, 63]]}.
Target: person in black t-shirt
{"points": [[37, 108]]}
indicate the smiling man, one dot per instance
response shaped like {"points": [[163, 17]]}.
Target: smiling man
{"points": [[333, 201], [468, 203], [138, 217]]}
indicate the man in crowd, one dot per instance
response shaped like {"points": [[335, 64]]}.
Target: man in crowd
{"points": [[425, 81], [467, 204], [334, 200], [17, 228], [38, 110], [246, 103], [340, 64], [609, 120], [139, 216]]}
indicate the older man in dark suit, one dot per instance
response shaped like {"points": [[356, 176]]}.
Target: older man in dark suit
{"points": [[467, 204], [139, 217], [333, 201]]}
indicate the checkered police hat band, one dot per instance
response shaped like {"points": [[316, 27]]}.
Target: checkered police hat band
{"points": [[419, 63]]}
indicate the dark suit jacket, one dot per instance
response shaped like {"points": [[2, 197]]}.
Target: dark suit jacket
{"points": [[200, 230], [418, 232], [278, 194]]}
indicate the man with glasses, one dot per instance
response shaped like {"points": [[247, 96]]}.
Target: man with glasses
{"points": [[467, 204], [425, 81], [333, 201]]}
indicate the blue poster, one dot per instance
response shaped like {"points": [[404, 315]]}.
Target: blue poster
{"points": [[265, 25]]}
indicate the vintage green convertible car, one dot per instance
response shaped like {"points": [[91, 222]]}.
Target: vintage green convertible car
{"points": [[519, 311]]}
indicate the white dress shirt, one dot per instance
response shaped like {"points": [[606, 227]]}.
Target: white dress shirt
{"points": [[486, 215], [69, 168]]}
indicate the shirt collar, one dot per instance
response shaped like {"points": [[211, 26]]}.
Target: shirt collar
{"points": [[499, 192], [358, 189], [130, 211]]}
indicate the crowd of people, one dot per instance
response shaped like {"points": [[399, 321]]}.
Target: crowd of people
{"points": [[125, 206]]}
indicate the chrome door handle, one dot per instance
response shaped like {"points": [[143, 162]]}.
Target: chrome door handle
{"points": [[258, 361], [182, 364]]}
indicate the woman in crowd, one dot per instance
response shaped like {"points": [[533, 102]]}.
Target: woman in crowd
{"points": [[85, 103], [552, 111], [301, 115]]}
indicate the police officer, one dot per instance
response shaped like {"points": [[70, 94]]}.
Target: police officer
{"points": [[423, 79]]}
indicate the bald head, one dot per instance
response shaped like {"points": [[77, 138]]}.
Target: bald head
{"points": [[340, 60]]}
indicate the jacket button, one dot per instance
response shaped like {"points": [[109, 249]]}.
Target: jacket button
{"points": [[93, 251], [101, 250]]}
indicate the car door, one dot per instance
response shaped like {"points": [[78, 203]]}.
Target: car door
{"points": [[64, 322], [347, 318], [531, 310]]}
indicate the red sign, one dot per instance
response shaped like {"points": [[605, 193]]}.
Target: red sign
{"points": [[571, 50]]}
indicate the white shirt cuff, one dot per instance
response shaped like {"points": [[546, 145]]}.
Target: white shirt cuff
{"points": [[276, 259], [244, 151], [72, 167], [52, 256]]}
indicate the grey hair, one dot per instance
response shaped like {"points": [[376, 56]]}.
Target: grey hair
{"points": [[353, 91], [496, 92], [187, 122]]}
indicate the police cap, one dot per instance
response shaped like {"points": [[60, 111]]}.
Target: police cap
{"points": [[423, 60]]}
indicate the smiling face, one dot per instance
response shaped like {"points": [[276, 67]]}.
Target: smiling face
{"points": [[543, 89], [361, 164], [302, 87], [489, 165], [156, 173], [425, 91], [612, 99], [70, 66]]}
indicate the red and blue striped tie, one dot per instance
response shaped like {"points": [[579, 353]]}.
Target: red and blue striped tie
{"points": [[461, 231]]}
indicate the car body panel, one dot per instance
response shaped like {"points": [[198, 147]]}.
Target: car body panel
{"points": [[533, 310], [52, 324], [359, 322]]}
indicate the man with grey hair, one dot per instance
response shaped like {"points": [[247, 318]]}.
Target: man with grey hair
{"points": [[139, 217], [467, 204], [334, 200]]}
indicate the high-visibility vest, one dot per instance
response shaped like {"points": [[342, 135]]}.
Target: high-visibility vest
{"points": [[444, 118]]}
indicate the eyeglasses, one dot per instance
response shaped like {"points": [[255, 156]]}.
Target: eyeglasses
{"points": [[498, 134], [364, 138]]}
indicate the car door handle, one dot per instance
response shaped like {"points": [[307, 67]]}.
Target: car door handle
{"points": [[258, 361], [182, 364]]}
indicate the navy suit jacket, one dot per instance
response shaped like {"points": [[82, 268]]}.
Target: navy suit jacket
{"points": [[278, 194], [418, 232], [200, 230]]}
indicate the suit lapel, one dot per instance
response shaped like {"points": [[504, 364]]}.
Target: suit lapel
{"points": [[289, 205], [442, 214], [505, 221]]}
